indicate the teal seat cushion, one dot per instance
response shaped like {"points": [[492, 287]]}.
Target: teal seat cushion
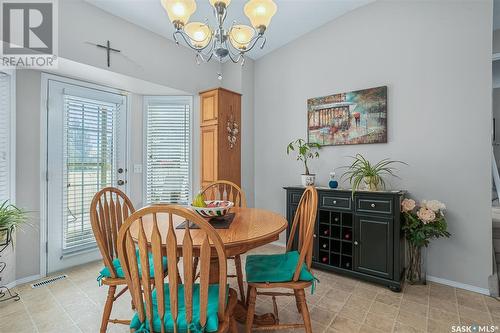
{"points": [[275, 268], [212, 323], [119, 270]]}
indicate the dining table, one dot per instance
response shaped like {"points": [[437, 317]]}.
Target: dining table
{"points": [[250, 228]]}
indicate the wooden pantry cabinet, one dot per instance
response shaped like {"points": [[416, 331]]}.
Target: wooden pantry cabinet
{"points": [[220, 127]]}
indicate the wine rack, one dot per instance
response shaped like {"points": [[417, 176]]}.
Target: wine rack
{"points": [[356, 235], [335, 239]]}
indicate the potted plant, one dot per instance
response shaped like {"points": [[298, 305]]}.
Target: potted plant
{"points": [[305, 152], [421, 223], [363, 173], [11, 218]]}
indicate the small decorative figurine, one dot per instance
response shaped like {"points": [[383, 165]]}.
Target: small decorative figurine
{"points": [[333, 183]]}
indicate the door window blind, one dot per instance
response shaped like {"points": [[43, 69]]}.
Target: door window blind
{"points": [[5, 137], [168, 149], [89, 155]]}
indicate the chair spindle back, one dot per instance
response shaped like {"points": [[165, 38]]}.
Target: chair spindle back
{"points": [[145, 223], [108, 210], [303, 223], [225, 190]]}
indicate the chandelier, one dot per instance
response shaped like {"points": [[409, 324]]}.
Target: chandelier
{"points": [[219, 42]]}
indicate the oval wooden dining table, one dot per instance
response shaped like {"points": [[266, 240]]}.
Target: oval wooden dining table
{"points": [[250, 229]]}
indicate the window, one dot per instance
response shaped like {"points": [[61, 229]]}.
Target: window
{"points": [[90, 161], [7, 125], [168, 149]]}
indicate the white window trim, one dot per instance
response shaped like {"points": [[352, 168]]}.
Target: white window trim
{"points": [[44, 86], [12, 135], [145, 100]]}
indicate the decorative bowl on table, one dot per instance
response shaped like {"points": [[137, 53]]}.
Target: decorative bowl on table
{"points": [[215, 208]]}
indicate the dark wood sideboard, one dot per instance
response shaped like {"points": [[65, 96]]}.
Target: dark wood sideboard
{"points": [[357, 236]]}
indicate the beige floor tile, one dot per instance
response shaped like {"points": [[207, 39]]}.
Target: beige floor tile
{"points": [[438, 327], [417, 298], [354, 313], [412, 307], [345, 325], [412, 319], [402, 328], [444, 316], [436, 303], [384, 310], [388, 299], [330, 303], [359, 302], [369, 294], [473, 315], [379, 322], [321, 315], [369, 329]]}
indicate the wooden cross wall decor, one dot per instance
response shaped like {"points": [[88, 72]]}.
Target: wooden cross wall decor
{"points": [[108, 49]]}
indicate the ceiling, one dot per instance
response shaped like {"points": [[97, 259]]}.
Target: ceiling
{"points": [[293, 19]]}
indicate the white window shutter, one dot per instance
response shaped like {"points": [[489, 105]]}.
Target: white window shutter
{"points": [[168, 149], [5, 138]]}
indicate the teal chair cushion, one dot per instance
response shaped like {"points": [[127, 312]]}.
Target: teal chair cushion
{"points": [[275, 268], [119, 270], [212, 323]]}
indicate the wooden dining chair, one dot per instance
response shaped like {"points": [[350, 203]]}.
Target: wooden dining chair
{"points": [[108, 210], [226, 190], [291, 270], [175, 306]]}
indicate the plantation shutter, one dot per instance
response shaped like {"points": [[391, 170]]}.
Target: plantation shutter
{"points": [[168, 149], [90, 156], [5, 138]]}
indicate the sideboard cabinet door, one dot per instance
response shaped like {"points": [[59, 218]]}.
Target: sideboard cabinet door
{"points": [[373, 246]]}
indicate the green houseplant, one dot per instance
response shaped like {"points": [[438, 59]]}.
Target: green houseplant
{"points": [[421, 223], [305, 152], [362, 172], [11, 218]]}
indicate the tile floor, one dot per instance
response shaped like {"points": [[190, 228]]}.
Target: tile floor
{"points": [[339, 304]]}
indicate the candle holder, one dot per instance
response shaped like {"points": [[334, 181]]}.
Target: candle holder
{"points": [[6, 240]]}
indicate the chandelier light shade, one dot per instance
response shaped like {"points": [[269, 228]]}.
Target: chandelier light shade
{"points": [[218, 42], [241, 36], [260, 13], [226, 2], [199, 34], [179, 11]]}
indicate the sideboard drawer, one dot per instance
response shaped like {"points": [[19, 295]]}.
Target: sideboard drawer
{"points": [[295, 197], [335, 202], [374, 205]]}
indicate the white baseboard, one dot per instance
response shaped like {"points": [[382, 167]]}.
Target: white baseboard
{"points": [[458, 285], [23, 281]]}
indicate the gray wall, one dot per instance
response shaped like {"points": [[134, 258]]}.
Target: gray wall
{"points": [[28, 171], [435, 58], [241, 79]]}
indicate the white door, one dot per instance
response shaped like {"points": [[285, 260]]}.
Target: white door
{"points": [[86, 151]]}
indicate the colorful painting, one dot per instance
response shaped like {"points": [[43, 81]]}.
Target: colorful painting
{"points": [[351, 118]]}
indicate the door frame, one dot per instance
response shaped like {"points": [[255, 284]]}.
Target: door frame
{"points": [[44, 109]]}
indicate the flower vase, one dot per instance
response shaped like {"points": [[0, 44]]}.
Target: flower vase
{"points": [[415, 272]]}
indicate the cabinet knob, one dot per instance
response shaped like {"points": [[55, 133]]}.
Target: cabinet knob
{"points": [[314, 235], [334, 202], [373, 205], [356, 243]]}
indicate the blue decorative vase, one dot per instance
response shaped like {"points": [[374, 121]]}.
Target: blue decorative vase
{"points": [[333, 183]]}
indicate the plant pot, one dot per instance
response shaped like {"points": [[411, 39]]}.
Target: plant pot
{"points": [[415, 272], [372, 183], [308, 180]]}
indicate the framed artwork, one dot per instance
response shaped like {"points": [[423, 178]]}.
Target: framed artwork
{"points": [[350, 118]]}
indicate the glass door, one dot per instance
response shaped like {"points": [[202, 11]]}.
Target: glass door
{"points": [[86, 152]]}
